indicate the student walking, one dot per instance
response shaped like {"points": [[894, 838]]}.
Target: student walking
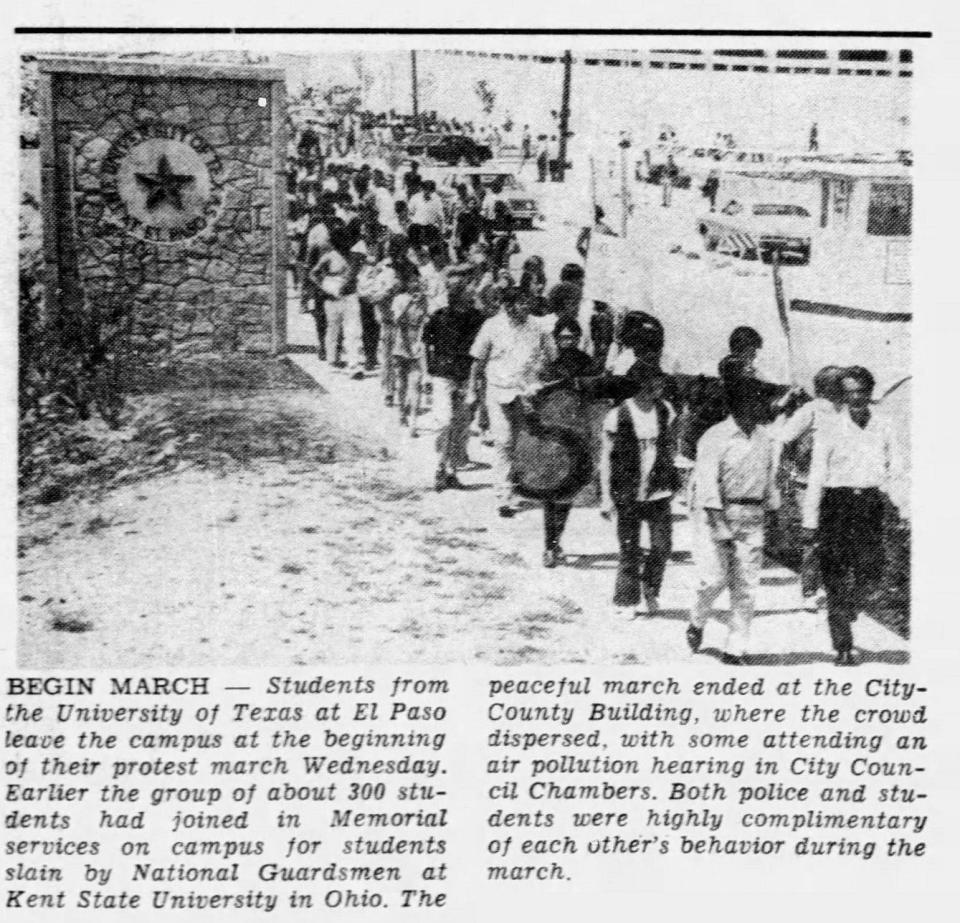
{"points": [[853, 477], [376, 286], [409, 318], [447, 337], [733, 486], [510, 351], [796, 435], [638, 480], [569, 365], [337, 273]]}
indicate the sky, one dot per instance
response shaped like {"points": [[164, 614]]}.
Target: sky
{"points": [[767, 111]]}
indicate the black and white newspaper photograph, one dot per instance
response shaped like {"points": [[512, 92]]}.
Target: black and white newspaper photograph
{"points": [[479, 468]]}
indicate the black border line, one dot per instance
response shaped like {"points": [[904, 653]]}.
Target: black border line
{"points": [[242, 30]]}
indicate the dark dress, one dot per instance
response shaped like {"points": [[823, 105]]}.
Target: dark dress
{"points": [[572, 413]]}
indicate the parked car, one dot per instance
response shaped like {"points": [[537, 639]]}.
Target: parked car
{"points": [[523, 207], [449, 149], [760, 230]]}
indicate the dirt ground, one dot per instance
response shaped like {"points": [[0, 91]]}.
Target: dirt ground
{"points": [[296, 525]]}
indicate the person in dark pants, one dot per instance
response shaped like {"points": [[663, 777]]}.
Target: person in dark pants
{"points": [[469, 226], [571, 363], [448, 336], [543, 160], [710, 188], [638, 480], [854, 469], [375, 283], [316, 242]]}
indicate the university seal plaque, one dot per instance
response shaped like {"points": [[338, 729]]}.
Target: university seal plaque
{"points": [[162, 182]]}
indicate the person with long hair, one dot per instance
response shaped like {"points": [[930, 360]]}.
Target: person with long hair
{"points": [[533, 284], [569, 364]]}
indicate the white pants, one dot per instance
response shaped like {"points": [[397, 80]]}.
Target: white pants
{"points": [[343, 317], [503, 424], [733, 565]]}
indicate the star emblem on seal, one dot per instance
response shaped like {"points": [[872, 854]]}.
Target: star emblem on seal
{"points": [[164, 185]]}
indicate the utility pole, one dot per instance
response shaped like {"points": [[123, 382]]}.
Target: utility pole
{"points": [[565, 114], [413, 85], [624, 184]]}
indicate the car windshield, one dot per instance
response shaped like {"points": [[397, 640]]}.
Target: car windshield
{"points": [[781, 209]]}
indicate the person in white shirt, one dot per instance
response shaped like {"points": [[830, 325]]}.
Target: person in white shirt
{"points": [[510, 352], [316, 246], [526, 146], [494, 194], [336, 273], [376, 286], [638, 478], [795, 437], [853, 473], [733, 484], [426, 216], [800, 428], [433, 281], [385, 202]]}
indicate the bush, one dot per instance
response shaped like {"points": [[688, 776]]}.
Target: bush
{"points": [[65, 370]]}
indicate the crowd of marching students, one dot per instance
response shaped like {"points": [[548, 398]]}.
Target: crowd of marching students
{"points": [[424, 296]]}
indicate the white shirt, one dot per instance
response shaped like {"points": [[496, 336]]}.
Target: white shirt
{"points": [[424, 212], [646, 427], [490, 204], [435, 287], [318, 237], [514, 354], [732, 466], [814, 415], [847, 455], [376, 282], [386, 208]]}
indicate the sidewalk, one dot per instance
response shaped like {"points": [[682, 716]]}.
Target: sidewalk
{"points": [[587, 628]]}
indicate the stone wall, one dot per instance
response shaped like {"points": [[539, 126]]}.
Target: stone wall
{"points": [[163, 208]]}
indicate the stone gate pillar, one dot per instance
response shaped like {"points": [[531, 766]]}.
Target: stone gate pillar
{"points": [[164, 202]]}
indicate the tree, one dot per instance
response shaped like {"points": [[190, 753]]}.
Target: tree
{"points": [[486, 95]]}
